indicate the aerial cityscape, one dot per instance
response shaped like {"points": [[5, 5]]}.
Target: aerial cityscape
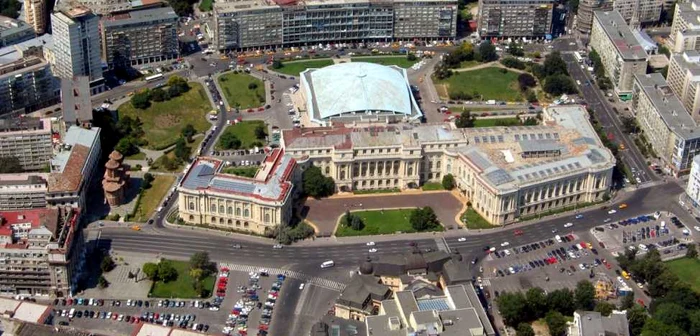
{"points": [[350, 167]]}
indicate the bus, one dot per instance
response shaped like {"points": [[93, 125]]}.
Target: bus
{"points": [[154, 77], [578, 57]]}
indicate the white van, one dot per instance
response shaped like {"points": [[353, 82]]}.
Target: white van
{"points": [[71, 313], [327, 264]]}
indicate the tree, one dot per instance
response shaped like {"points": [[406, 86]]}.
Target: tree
{"points": [[159, 95], [356, 223], [411, 57], [277, 64], [10, 164], [627, 301], [200, 260], [197, 274], [654, 327], [584, 295], [10, 8], [559, 84], [486, 52], [107, 264], [448, 182], [465, 120], [636, 318], [694, 318], [188, 132], [127, 146], [530, 121], [252, 86], [629, 124], [181, 150], [510, 62], [168, 163], [141, 100], [672, 314], [151, 271], [556, 322], [166, 271], [531, 96], [604, 308], [515, 49], [147, 181], [692, 251], [561, 300], [526, 81], [102, 282], [536, 302], [260, 132], [524, 329], [229, 141], [555, 65], [512, 307], [423, 219], [315, 184]]}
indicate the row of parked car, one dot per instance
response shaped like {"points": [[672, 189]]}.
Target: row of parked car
{"points": [[184, 321]]}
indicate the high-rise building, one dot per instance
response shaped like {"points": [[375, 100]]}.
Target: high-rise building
{"points": [[684, 79], [27, 139], [685, 29], [620, 52], [14, 31], [140, 37], [584, 16], [27, 84], [77, 45], [520, 18], [693, 187], [35, 12], [636, 12], [278, 23]]}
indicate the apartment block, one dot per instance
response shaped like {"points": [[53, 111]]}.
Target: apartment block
{"points": [[620, 52], [77, 44], [23, 191], [672, 133], [35, 12], [139, 37], [521, 18], [14, 31], [684, 79], [266, 23], [584, 16], [636, 12], [27, 139], [693, 187], [685, 29], [27, 84], [39, 252]]}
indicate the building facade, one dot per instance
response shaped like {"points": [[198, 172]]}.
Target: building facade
{"points": [[27, 139], [281, 23], [77, 45], [23, 191], [521, 18], [685, 29], [684, 79], [209, 196], [502, 171], [636, 12], [14, 31], [140, 37], [693, 187], [26, 85], [584, 16], [620, 52], [35, 12], [672, 133]]}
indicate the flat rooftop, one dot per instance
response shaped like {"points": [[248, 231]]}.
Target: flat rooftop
{"points": [[668, 106], [10, 26], [136, 16], [689, 61], [621, 35], [245, 5], [15, 52], [690, 12]]}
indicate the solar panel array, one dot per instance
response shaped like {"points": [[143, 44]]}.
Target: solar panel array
{"points": [[199, 176], [479, 160], [499, 177], [595, 156], [232, 185], [433, 304]]}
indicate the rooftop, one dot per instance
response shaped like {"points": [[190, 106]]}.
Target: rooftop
{"points": [[244, 5], [16, 51], [148, 15], [21, 179], [621, 35], [335, 326], [360, 288], [24, 125], [688, 61], [36, 218], [690, 12], [70, 175], [668, 106], [24, 310], [10, 26], [594, 324]]}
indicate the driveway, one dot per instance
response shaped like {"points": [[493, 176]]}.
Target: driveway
{"points": [[324, 213]]}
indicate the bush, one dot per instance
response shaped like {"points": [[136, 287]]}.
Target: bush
{"points": [[102, 283], [141, 100], [423, 219], [511, 62], [316, 184], [252, 86], [107, 264], [411, 57], [229, 141], [448, 182]]}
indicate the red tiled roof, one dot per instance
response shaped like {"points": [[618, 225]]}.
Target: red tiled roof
{"points": [[69, 180], [37, 218]]}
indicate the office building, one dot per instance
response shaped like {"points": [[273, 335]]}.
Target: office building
{"points": [[584, 16], [139, 37], [685, 29], [14, 31], [693, 187], [210, 196], [522, 18], [23, 191], [39, 252], [505, 172], [667, 126], [73, 167], [36, 15], [26, 85], [588, 323], [242, 24], [77, 45], [620, 52], [27, 139], [684, 79], [457, 312], [636, 12]]}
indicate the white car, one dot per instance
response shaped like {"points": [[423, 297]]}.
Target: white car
{"points": [[568, 225], [370, 244], [462, 239], [607, 220], [612, 211], [582, 267], [697, 228], [301, 286], [504, 244], [278, 246], [372, 250]]}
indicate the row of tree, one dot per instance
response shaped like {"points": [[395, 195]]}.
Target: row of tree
{"points": [[485, 52], [554, 74], [290, 233], [316, 184], [467, 120], [602, 79]]}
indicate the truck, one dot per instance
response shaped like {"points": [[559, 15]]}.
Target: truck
{"points": [[491, 102]]}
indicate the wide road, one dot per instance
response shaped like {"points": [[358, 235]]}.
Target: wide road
{"points": [[609, 120]]}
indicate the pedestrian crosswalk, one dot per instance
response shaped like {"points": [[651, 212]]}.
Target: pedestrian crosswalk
{"points": [[316, 281], [442, 245]]}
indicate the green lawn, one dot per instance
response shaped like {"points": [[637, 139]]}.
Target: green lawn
{"points": [[241, 171], [474, 221], [163, 121], [137, 156], [433, 186], [238, 93], [496, 122], [206, 5], [376, 191], [244, 131], [489, 83], [182, 287], [687, 270], [157, 165], [379, 222], [400, 60], [150, 199], [294, 68], [468, 64]]}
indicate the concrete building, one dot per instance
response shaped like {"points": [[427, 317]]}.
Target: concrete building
{"points": [[683, 78], [77, 45], [361, 298], [36, 14], [242, 24], [75, 101], [40, 251], [693, 187], [209, 196], [457, 312], [40, 46], [73, 167], [358, 92], [140, 37], [685, 29], [636, 12], [620, 52], [27, 139], [667, 126], [23, 191], [584, 16], [522, 18], [506, 172], [14, 31], [588, 323]]}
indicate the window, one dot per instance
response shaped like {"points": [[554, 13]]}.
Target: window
{"points": [[229, 211], [246, 213], [191, 205], [221, 209], [245, 224], [267, 218], [212, 208], [238, 212], [328, 170]]}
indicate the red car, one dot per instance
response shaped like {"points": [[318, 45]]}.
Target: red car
{"points": [[518, 232]]}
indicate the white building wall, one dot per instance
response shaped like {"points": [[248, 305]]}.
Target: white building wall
{"points": [[693, 187]]}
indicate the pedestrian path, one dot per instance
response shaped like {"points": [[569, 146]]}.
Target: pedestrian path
{"points": [[320, 282]]}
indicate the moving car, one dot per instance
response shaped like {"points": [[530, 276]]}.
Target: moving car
{"points": [[504, 244], [370, 244], [568, 225], [462, 239], [372, 250]]}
